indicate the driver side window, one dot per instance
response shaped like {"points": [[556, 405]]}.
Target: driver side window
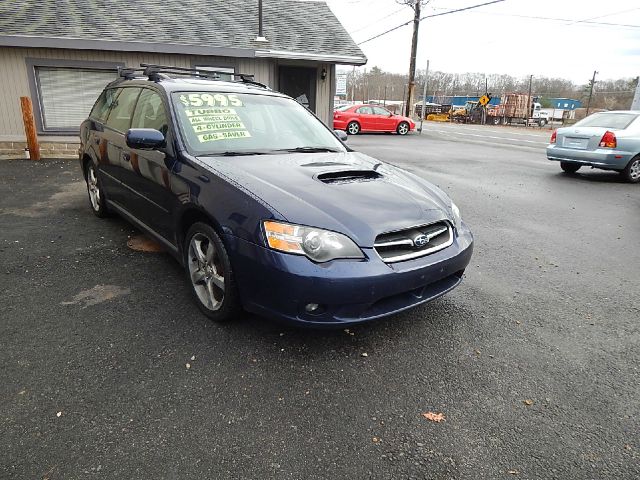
{"points": [[150, 112], [381, 111]]}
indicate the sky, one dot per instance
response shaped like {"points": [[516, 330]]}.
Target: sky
{"points": [[567, 39]]}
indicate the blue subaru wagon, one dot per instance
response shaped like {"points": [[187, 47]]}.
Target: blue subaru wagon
{"points": [[265, 207]]}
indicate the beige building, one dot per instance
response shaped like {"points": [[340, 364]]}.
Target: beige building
{"points": [[62, 54]]}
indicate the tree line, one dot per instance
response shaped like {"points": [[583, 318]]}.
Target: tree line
{"points": [[375, 84]]}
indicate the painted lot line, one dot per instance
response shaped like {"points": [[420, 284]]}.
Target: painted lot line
{"points": [[517, 140]]}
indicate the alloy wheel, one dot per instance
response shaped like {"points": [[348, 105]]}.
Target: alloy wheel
{"points": [[403, 128], [94, 189], [206, 272], [634, 170], [353, 128]]}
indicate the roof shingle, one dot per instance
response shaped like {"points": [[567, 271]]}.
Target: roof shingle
{"points": [[301, 27]]}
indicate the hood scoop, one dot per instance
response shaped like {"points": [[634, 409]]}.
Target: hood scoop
{"points": [[349, 176]]}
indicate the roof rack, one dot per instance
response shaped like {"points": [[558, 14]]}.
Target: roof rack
{"points": [[160, 72]]}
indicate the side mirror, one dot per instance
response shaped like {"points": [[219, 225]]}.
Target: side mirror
{"points": [[341, 134], [144, 138]]}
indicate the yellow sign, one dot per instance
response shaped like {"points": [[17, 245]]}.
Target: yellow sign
{"points": [[484, 100]]}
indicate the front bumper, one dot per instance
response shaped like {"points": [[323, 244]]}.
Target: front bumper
{"points": [[600, 158], [279, 285]]}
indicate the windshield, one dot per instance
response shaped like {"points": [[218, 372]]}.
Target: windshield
{"points": [[608, 120], [226, 124]]}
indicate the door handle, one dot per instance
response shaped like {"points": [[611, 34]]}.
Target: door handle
{"points": [[126, 157]]}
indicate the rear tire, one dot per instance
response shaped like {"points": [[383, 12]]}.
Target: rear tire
{"points": [[403, 128], [569, 167], [542, 122], [631, 172], [353, 128], [209, 272], [97, 202]]}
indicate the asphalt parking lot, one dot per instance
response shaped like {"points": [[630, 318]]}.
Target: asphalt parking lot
{"points": [[109, 371]]}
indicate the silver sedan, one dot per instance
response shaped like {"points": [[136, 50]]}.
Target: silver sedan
{"points": [[606, 140]]}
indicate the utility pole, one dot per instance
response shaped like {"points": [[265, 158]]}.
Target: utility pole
{"points": [[592, 82], [412, 64], [529, 104], [424, 97]]}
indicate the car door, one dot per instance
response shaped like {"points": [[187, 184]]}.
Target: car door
{"points": [[148, 173], [366, 118], [115, 163], [384, 119], [95, 141]]}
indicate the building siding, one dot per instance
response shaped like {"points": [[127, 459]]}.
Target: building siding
{"points": [[14, 77]]}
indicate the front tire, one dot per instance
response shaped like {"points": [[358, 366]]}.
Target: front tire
{"points": [[353, 128], [96, 194], [403, 128], [210, 274], [631, 173], [569, 167]]}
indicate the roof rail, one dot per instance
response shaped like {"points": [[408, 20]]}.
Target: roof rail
{"points": [[159, 72], [128, 73]]}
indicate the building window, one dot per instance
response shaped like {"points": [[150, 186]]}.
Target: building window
{"points": [[66, 95], [225, 73]]}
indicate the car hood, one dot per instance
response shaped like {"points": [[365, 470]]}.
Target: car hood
{"points": [[348, 192]]}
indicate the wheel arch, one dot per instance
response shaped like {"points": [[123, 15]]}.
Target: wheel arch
{"points": [[193, 214]]}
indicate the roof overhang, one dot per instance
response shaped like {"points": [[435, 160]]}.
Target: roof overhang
{"points": [[113, 45], [120, 46], [341, 59]]}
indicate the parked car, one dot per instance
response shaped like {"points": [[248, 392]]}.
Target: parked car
{"points": [[264, 206], [371, 118], [606, 140]]}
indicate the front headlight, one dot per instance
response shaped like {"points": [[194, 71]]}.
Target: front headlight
{"points": [[456, 216], [317, 244]]}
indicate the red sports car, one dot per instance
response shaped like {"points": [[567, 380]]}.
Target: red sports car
{"points": [[370, 118]]}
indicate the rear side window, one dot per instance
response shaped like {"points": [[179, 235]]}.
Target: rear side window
{"points": [[150, 112], [618, 121], [122, 110], [103, 104], [365, 110]]}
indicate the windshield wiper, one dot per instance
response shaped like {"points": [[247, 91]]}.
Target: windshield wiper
{"points": [[240, 153], [309, 149]]}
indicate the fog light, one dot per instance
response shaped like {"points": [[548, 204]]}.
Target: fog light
{"points": [[311, 307]]}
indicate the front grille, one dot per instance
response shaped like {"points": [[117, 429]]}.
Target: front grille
{"points": [[413, 242]]}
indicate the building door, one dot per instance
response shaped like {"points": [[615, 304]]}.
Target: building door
{"points": [[300, 84]]}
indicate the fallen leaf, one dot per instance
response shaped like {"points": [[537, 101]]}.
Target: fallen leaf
{"points": [[188, 365], [364, 354], [627, 447], [513, 472], [528, 402], [193, 358], [434, 417], [59, 414], [478, 352], [375, 439], [22, 392]]}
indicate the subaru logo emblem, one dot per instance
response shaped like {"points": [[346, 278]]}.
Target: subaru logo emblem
{"points": [[421, 240]]}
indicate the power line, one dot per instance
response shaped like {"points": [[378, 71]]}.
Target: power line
{"points": [[369, 24], [570, 21], [430, 16]]}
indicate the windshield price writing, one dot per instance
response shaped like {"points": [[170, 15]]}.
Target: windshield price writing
{"points": [[210, 100]]}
